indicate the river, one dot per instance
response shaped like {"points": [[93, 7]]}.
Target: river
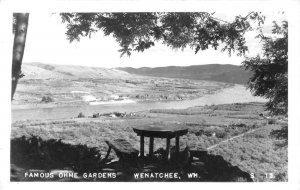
{"points": [[235, 94]]}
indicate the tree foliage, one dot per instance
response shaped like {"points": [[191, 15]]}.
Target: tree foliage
{"points": [[140, 31], [270, 78]]}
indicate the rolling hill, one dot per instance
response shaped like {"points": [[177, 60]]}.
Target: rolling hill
{"points": [[212, 72], [50, 71]]}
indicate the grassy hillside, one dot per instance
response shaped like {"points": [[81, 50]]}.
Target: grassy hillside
{"points": [[233, 132], [213, 72], [49, 71]]}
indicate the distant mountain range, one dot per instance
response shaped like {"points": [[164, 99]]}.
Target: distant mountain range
{"points": [[213, 72]]}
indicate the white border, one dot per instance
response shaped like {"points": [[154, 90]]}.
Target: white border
{"points": [[9, 6]]}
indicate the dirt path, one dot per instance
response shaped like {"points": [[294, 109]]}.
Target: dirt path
{"points": [[225, 141]]}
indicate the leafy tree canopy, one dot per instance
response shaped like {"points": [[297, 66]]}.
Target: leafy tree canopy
{"points": [[199, 31], [140, 31], [270, 78]]}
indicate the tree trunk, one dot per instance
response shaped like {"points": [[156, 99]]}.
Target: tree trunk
{"points": [[21, 26]]}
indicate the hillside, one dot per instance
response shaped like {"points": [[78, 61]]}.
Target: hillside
{"points": [[51, 71], [213, 72], [78, 85]]}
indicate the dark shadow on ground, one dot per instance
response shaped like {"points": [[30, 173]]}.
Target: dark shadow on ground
{"points": [[48, 159], [282, 135]]}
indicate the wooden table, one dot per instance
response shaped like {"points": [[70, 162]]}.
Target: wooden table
{"points": [[155, 131]]}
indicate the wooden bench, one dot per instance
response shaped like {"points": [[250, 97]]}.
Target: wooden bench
{"points": [[124, 150]]}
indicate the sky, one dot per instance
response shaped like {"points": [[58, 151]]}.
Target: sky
{"points": [[47, 43]]}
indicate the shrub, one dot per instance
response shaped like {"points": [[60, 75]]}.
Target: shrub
{"points": [[43, 154], [235, 133], [214, 131], [280, 177], [271, 121], [95, 115], [199, 132], [255, 125], [47, 99], [239, 124], [221, 134], [208, 132], [80, 115]]}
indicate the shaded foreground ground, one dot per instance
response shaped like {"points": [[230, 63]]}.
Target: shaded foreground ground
{"points": [[77, 145]]}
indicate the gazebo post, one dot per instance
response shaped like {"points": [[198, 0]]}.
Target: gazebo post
{"points": [[142, 142], [151, 147], [177, 145], [168, 149]]}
